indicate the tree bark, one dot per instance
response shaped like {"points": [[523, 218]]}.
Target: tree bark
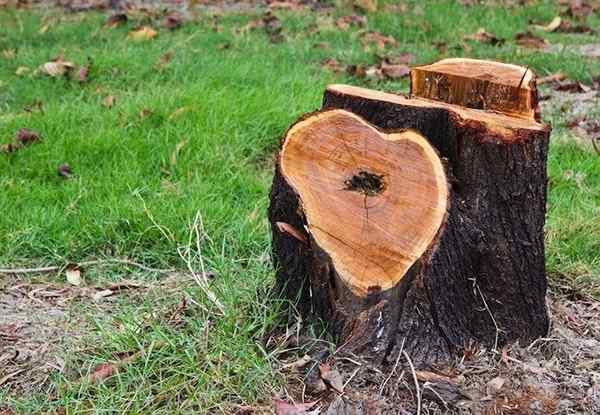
{"points": [[481, 278]]}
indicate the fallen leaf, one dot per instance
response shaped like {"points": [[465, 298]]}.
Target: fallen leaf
{"points": [[402, 59], [173, 20], [366, 5], [108, 101], [559, 76], [303, 361], [164, 59], [345, 22], [529, 40], [332, 65], [284, 408], [25, 136], [64, 170], [290, 230], [395, 71], [564, 26], [426, 376], [377, 39], [21, 70], [494, 386], [484, 36], [574, 87], [358, 71], [102, 294], [552, 26], [116, 20], [82, 74], [8, 54], [143, 34], [105, 370], [331, 377], [57, 67], [175, 153], [579, 9], [73, 276], [272, 27]]}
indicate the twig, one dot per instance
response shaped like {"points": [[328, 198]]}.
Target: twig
{"points": [[491, 316], [202, 279], [394, 368], [412, 369], [54, 268]]}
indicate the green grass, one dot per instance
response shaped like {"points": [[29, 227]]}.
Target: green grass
{"points": [[128, 200]]}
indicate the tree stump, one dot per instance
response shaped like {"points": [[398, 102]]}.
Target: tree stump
{"points": [[417, 223]]}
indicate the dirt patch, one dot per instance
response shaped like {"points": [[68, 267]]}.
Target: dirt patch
{"points": [[41, 323], [558, 374]]}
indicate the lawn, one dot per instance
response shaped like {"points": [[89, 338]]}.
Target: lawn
{"points": [[190, 132]]}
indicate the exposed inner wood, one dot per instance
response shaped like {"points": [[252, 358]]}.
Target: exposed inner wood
{"points": [[503, 124], [373, 201], [477, 84]]}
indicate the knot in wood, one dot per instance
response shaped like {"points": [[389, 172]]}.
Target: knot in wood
{"points": [[366, 183]]}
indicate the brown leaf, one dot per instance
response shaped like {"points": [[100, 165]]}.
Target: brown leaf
{"points": [[142, 34], [108, 101], [377, 39], [359, 71], [102, 371], [164, 59], [82, 74], [366, 5], [64, 170], [284, 408], [25, 136], [571, 86], [345, 22], [494, 386], [116, 20], [402, 59], [332, 65], [331, 377], [395, 71], [559, 76], [73, 275], [173, 20], [57, 67], [272, 27], [529, 40], [290, 230], [426, 376], [105, 370], [8, 148], [484, 36], [579, 9]]}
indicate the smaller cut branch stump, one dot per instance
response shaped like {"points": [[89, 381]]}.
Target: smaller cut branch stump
{"points": [[417, 223]]}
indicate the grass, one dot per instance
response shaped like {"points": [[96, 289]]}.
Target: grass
{"points": [[225, 107]]}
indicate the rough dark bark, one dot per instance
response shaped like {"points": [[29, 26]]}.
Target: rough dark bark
{"points": [[482, 280]]}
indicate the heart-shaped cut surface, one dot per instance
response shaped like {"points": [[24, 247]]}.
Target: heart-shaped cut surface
{"points": [[373, 201]]}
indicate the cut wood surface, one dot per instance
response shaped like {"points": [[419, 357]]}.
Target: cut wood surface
{"points": [[478, 84], [356, 184], [452, 252]]}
